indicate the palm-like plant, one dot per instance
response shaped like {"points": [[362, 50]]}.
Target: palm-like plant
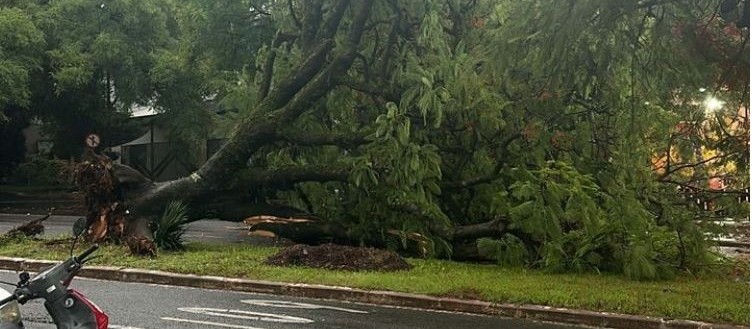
{"points": [[168, 230]]}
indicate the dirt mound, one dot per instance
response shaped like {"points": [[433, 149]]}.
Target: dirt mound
{"points": [[337, 257]]}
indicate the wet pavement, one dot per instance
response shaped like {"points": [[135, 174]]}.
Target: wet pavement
{"points": [[147, 306], [205, 230]]}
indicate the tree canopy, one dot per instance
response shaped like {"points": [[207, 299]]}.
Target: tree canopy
{"points": [[570, 136]]}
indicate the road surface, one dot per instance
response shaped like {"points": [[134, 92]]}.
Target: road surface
{"points": [[146, 306], [206, 230]]}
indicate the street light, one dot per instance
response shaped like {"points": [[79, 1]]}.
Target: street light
{"points": [[712, 104]]}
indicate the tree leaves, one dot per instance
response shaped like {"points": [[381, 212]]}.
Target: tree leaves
{"points": [[550, 115], [21, 43]]}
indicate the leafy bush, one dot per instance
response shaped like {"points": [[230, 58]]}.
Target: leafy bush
{"points": [[509, 250], [168, 230], [43, 172]]}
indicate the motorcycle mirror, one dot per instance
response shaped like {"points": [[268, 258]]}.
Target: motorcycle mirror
{"points": [[79, 227]]}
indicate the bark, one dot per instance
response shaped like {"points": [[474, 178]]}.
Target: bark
{"points": [[300, 230], [351, 140], [312, 13], [314, 231], [286, 177], [250, 135], [231, 203], [330, 26], [268, 72], [493, 228]]}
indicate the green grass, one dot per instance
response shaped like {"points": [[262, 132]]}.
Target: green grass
{"points": [[711, 299]]}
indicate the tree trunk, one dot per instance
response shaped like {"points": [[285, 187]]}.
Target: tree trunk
{"points": [[313, 79], [463, 239]]}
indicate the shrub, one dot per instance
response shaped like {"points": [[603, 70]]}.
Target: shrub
{"points": [[43, 172], [168, 230]]}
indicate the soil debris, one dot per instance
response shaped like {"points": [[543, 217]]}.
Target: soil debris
{"points": [[141, 246], [338, 257]]}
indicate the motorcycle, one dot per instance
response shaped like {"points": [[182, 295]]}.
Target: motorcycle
{"points": [[68, 308]]}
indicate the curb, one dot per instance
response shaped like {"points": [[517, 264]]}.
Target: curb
{"points": [[388, 298]]}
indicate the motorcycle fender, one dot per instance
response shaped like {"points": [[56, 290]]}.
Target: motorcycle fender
{"points": [[72, 312], [9, 325]]}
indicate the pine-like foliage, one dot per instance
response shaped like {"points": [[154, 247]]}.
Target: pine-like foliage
{"points": [[168, 230]]}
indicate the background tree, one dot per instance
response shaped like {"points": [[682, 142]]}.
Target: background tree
{"points": [[87, 72], [21, 43]]}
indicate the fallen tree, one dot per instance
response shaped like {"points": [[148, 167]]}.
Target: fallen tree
{"points": [[404, 124]]}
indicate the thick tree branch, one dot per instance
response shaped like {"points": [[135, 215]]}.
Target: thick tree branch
{"points": [[284, 104], [370, 89], [235, 208], [323, 82], [330, 27], [266, 79], [287, 176], [490, 176], [312, 15], [257, 130], [295, 19], [294, 83], [491, 229], [351, 140], [302, 230], [268, 70]]}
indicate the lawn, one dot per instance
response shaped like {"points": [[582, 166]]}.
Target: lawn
{"points": [[716, 298]]}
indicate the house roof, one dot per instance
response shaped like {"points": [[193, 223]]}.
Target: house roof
{"points": [[138, 111]]}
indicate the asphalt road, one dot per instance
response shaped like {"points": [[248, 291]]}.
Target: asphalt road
{"points": [[207, 230], [145, 306]]}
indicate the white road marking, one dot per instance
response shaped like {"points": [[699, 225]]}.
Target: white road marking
{"points": [[114, 326], [209, 323], [285, 304], [245, 315]]}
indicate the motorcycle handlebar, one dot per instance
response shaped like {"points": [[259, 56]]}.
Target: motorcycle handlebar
{"points": [[88, 252], [8, 299]]}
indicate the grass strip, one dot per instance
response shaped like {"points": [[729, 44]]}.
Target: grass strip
{"points": [[710, 299]]}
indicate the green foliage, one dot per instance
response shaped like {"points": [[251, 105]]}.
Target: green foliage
{"points": [[43, 172], [168, 229], [543, 113], [509, 250], [21, 43], [578, 125]]}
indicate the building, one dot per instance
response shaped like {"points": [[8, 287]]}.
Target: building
{"points": [[155, 156]]}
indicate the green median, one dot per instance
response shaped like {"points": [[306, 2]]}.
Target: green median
{"points": [[719, 298]]}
